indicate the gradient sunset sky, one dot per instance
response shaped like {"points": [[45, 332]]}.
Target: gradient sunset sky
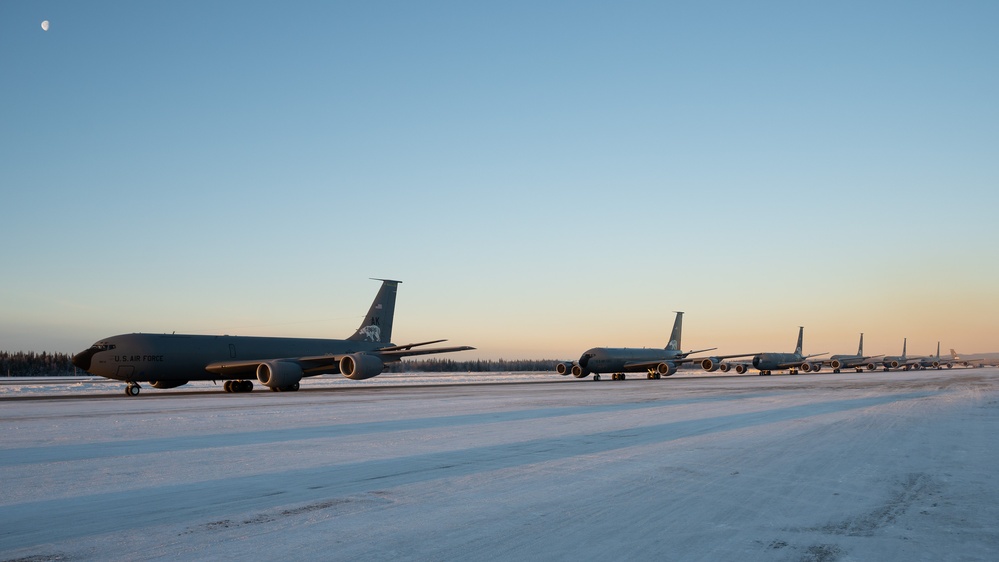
{"points": [[544, 177]]}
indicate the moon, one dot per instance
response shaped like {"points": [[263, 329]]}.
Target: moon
{"points": [[45, 25]]}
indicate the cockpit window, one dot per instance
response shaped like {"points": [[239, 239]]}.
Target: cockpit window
{"points": [[102, 346]]}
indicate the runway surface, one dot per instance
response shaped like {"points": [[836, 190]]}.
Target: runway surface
{"points": [[819, 467]]}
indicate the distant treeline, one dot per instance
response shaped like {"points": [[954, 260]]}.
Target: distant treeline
{"points": [[31, 364]]}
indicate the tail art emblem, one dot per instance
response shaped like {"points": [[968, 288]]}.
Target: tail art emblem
{"points": [[371, 333]]}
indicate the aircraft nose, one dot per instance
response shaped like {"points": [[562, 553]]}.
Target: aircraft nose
{"points": [[82, 360]]}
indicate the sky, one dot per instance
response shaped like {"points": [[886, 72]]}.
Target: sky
{"points": [[544, 177]]}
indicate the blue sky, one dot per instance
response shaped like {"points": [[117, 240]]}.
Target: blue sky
{"points": [[543, 176]]}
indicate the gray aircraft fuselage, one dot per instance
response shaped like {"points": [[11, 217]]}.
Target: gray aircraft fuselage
{"points": [[614, 359], [852, 362], [177, 357], [777, 361]]}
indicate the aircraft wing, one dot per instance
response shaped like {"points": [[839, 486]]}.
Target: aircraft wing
{"points": [[643, 365], [680, 360], [720, 357], [317, 364], [729, 356], [235, 368]]}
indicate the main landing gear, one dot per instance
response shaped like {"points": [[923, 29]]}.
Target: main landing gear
{"points": [[654, 375], [132, 389], [238, 386]]}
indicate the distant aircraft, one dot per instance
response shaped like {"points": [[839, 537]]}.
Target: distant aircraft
{"points": [[766, 363], [933, 362], [172, 360], [975, 359], [657, 363], [898, 361], [858, 361]]}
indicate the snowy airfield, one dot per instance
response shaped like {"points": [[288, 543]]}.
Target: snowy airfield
{"points": [[871, 466]]}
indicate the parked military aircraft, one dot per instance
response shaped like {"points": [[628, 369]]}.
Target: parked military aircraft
{"points": [[172, 360], [975, 359], [655, 362], [898, 361], [933, 362], [766, 363], [858, 361]]}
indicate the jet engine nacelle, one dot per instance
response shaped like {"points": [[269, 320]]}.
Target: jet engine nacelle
{"points": [[807, 367], [579, 372], [666, 369], [360, 366], [710, 364], [837, 364], [741, 368], [278, 374], [872, 366], [167, 384], [892, 364], [563, 368], [724, 367]]}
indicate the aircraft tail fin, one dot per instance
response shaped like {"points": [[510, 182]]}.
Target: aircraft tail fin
{"points": [[674, 337], [860, 350], [377, 324], [801, 331], [904, 341], [953, 354], [938, 350]]}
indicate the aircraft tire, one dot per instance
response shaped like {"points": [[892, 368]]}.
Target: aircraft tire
{"points": [[227, 386], [132, 390], [596, 377]]}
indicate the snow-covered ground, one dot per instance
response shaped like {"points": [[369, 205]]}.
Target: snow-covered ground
{"points": [[873, 466]]}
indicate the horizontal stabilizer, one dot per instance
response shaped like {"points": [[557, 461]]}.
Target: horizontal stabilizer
{"points": [[408, 345], [405, 351]]}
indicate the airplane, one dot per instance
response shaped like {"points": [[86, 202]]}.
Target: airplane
{"points": [[766, 363], [933, 362], [172, 360], [858, 361], [656, 362], [898, 361], [976, 359]]}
